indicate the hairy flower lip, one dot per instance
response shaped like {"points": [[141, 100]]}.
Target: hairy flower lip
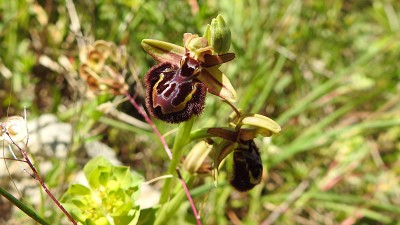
{"points": [[247, 166], [193, 107]]}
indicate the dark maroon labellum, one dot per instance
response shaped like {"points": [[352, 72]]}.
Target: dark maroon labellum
{"points": [[172, 93], [247, 166]]}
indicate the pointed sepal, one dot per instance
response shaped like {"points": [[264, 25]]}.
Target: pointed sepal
{"points": [[217, 83], [164, 51]]}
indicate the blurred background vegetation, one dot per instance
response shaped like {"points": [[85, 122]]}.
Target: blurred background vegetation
{"points": [[327, 71]]}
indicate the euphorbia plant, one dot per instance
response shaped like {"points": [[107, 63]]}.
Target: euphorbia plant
{"points": [[109, 198]]}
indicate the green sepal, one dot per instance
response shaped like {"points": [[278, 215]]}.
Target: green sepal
{"points": [[163, 51], [218, 83], [264, 125]]}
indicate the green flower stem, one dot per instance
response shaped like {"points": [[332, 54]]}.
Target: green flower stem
{"points": [[181, 139], [200, 134], [28, 211], [170, 208]]}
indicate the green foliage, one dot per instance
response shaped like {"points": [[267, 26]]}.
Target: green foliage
{"points": [[109, 198]]}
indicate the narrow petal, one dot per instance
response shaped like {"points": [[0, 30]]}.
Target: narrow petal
{"points": [[163, 51], [226, 133], [213, 60]]}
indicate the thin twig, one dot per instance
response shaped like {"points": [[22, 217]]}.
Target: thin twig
{"points": [[150, 122], [9, 174], [196, 215], [135, 77], [38, 178]]}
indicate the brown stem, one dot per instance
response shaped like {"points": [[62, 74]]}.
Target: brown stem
{"points": [[38, 178], [148, 120], [187, 192]]}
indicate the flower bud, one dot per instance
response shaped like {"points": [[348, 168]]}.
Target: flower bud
{"points": [[197, 156], [218, 35]]}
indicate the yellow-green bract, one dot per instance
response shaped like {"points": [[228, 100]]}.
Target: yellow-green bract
{"points": [[110, 197]]}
